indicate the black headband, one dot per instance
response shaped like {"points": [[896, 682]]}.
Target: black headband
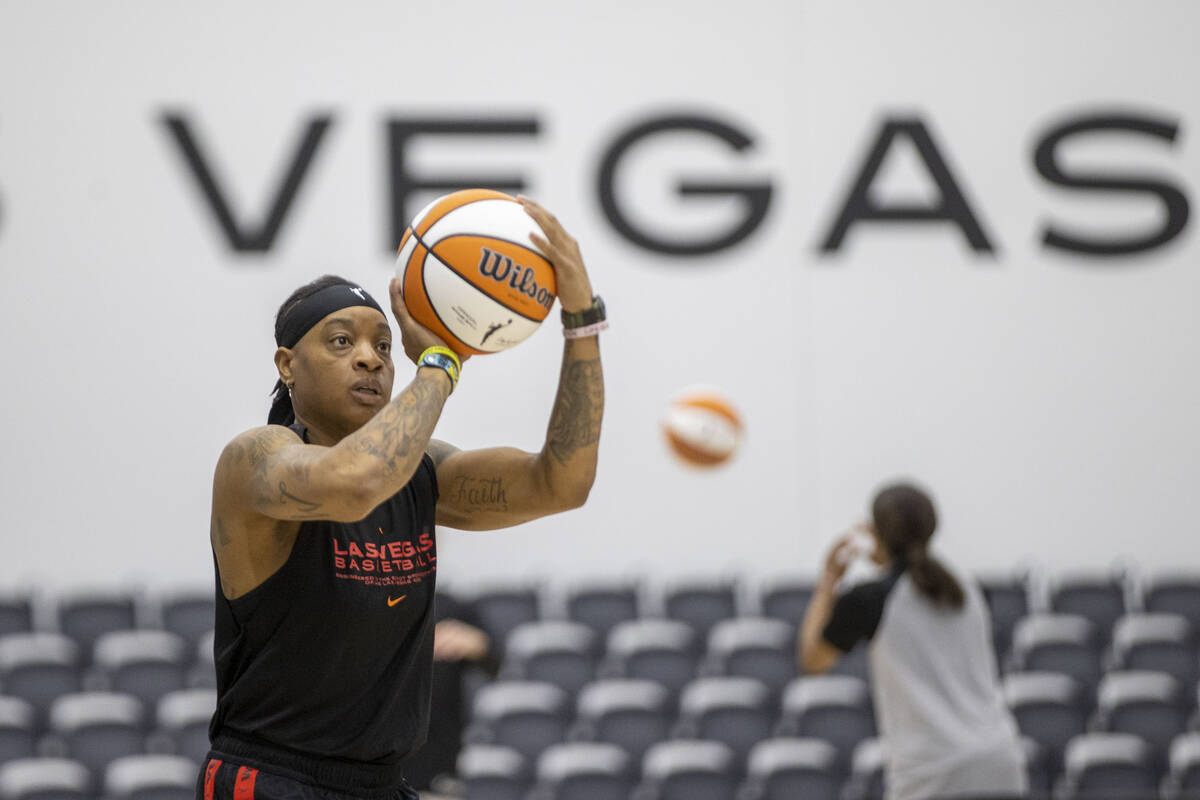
{"points": [[308, 312]]}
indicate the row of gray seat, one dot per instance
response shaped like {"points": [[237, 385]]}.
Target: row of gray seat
{"points": [[133, 777], [1098, 765], [95, 728]]}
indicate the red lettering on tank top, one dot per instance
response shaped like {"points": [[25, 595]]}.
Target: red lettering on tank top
{"points": [[401, 562]]}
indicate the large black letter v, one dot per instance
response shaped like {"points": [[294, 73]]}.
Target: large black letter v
{"points": [[247, 237]]}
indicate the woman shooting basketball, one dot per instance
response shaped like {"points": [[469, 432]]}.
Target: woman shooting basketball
{"points": [[323, 536], [940, 713]]}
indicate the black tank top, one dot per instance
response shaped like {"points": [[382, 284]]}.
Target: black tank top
{"points": [[324, 669]]}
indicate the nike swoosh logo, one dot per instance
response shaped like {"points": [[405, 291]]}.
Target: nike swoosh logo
{"points": [[392, 602]]}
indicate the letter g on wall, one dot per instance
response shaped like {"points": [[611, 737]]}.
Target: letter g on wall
{"points": [[756, 195]]}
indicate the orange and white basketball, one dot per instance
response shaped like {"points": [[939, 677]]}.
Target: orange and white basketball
{"points": [[702, 427], [470, 273]]}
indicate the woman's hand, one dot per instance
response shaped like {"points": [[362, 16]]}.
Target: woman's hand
{"points": [[415, 336], [844, 549], [574, 288]]}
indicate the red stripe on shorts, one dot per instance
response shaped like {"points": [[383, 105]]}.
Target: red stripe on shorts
{"points": [[210, 777], [243, 787]]}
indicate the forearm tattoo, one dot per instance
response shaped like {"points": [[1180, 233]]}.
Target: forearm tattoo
{"points": [[400, 432], [578, 408]]}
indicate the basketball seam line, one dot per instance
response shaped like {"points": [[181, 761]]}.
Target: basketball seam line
{"points": [[425, 289], [429, 252]]}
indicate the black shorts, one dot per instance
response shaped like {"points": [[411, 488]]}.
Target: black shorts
{"points": [[222, 779]]}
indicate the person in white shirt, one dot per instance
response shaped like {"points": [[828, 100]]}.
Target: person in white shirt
{"points": [[938, 705]]}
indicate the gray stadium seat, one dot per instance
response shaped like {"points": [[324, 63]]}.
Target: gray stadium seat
{"points": [[98, 727], [204, 675], [184, 716], [39, 667], [16, 613], [1007, 600], [654, 649], [1146, 704], [1183, 780], [45, 779], [786, 600], [502, 608], [630, 713], [584, 771], [555, 651], [85, 614], [1037, 769], [144, 663], [1104, 766], [491, 772], [151, 777], [1048, 709], [18, 729], [739, 712], [602, 606], [1063, 643], [527, 716], [189, 613], [866, 772], [836, 708], [1158, 642], [1173, 592], [753, 647], [686, 769], [701, 603], [1098, 598], [787, 769]]}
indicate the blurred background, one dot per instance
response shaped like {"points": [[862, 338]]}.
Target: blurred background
{"points": [[936, 240]]}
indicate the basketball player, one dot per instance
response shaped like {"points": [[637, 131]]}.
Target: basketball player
{"points": [[323, 535], [940, 713]]}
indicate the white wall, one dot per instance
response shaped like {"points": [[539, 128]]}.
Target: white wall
{"points": [[1049, 399]]}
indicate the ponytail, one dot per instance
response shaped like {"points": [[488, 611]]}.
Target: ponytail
{"points": [[905, 520], [281, 412], [932, 579]]}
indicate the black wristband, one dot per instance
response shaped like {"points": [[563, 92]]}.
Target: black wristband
{"points": [[589, 316]]}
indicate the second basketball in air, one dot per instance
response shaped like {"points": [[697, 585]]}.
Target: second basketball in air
{"points": [[470, 273]]}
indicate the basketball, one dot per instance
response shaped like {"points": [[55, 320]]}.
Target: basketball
{"points": [[470, 273], [702, 428]]}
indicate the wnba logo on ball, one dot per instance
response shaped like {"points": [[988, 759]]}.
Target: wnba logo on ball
{"points": [[500, 268]]}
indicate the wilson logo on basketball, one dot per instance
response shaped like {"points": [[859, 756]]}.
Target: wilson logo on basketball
{"points": [[503, 269]]}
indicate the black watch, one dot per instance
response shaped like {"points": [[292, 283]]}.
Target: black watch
{"points": [[589, 316]]}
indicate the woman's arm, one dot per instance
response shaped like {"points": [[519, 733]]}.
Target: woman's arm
{"points": [[813, 653], [503, 486]]}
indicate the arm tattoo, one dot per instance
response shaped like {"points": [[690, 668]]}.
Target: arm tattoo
{"points": [[578, 408], [402, 429], [223, 538], [440, 451], [305, 505], [473, 493]]}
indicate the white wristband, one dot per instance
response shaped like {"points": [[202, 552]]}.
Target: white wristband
{"points": [[586, 330]]}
